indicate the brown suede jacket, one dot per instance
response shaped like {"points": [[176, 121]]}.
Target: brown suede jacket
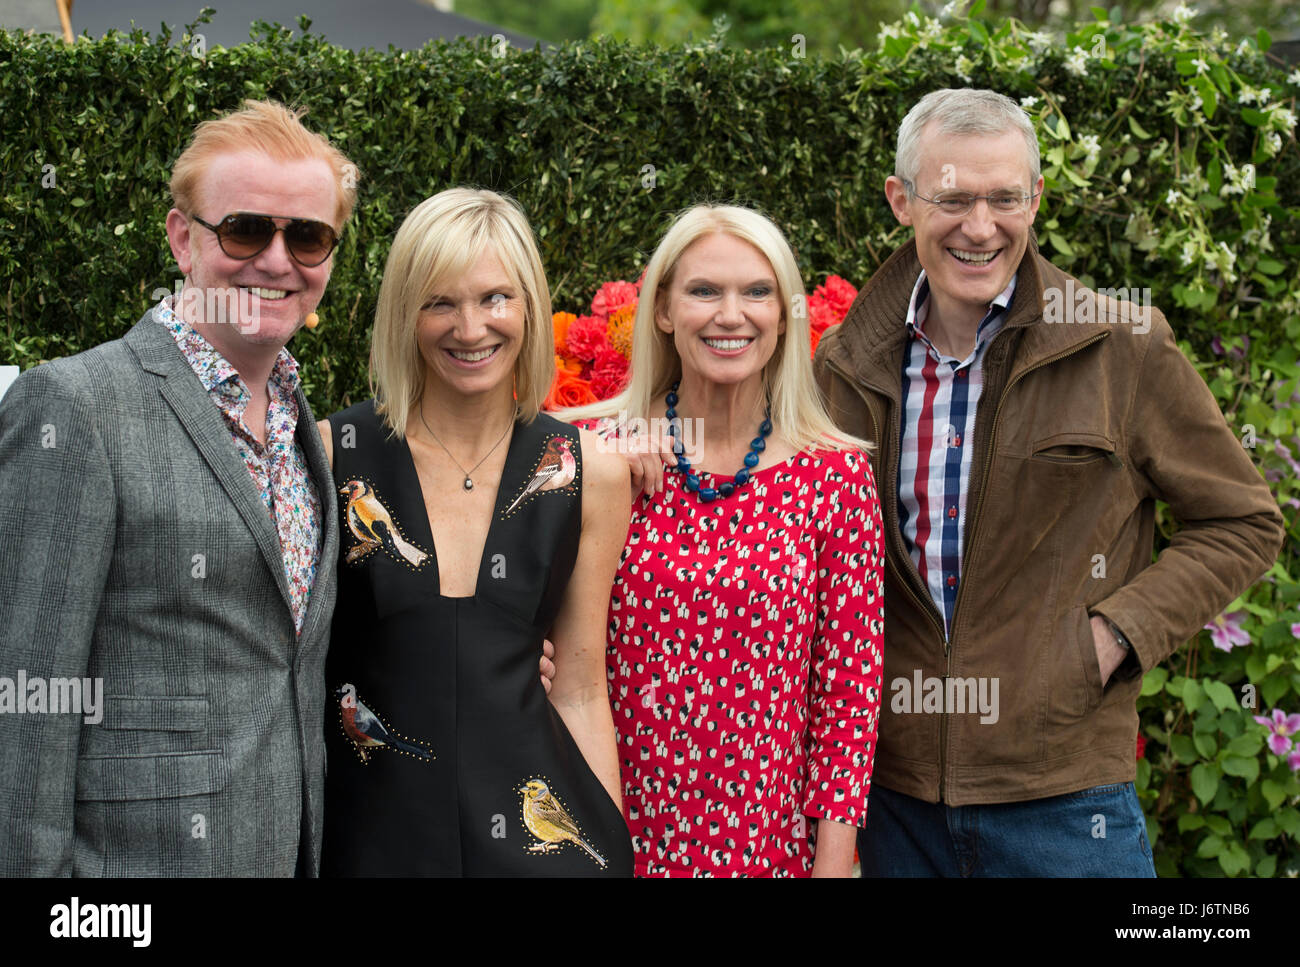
{"points": [[1081, 426]]}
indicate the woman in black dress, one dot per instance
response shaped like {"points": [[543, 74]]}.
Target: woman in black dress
{"points": [[473, 526]]}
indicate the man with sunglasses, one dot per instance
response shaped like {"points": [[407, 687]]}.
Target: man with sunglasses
{"points": [[171, 545], [1025, 426]]}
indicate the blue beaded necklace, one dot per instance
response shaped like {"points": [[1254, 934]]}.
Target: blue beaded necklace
{"points": [[729, 487]]}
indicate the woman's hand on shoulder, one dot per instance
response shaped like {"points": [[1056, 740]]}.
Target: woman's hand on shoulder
{"points": [[605, 473], [327, 438]]}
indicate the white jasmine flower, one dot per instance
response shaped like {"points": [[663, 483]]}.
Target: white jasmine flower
{"points": [[1201, 66], [1189, 252], [1274, 142], [964, 67], [1028, 102], [1173, 198], [949, 9], [1294, 77], [1284, 118], [1076, 62], [1246, 95], [1183, 13], [1039, 41], [1091, 146], [913, 19]]}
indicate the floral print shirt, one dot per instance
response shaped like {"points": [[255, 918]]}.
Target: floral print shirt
{"points": [[279, 467]]}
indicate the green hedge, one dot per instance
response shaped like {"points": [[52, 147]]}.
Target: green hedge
{"points": [[1146, 133]]}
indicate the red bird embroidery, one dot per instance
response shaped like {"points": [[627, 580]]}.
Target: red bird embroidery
{"points": [[365, 730], [555, 470]]}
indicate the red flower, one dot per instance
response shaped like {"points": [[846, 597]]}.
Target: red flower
{"points": [[608, 373], [611, 296], [586, 337], [838, 294], [821, 316], [1142, 747]]}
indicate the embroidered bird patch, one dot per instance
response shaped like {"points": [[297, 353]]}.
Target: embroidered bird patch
{"points": [[372, 525], [556, 469], [550, 822], [367, 733]]}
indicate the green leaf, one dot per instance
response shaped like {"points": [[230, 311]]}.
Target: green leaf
{"points": [[1184, 749], [1211, 846], [1234, 859], [1100, 13], [1218, 824], [1288, 820], [1247, 744], [1193, 694], [1220, 694], [1264, 829], [1273, 793], [1205, 744], [1154, 680], [1236, 765], [1060, 244], [1190, 821], [1266, 866], [1263, 39], [1137, 129], [1205, 782], [976, 8], [1253, 117]]}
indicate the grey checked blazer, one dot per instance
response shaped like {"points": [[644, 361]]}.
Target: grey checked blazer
{"points": [[209, 759]]}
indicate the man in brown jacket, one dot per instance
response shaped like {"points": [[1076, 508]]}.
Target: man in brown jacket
{"points": [[1025, 426]]}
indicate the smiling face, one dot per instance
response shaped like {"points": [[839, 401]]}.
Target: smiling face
{"points": [[278, 290], [723, 309], [968, 259], [471, 329]]}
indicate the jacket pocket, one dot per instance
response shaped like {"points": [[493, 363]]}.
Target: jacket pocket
{"points": [[1074, 676], [1074, 448], [156, 713], [167, 775]]}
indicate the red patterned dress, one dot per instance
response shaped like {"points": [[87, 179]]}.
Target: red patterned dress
{"points": [[745, 666]]}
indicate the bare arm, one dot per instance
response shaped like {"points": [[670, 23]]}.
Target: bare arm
{"points": [[579, 692]]}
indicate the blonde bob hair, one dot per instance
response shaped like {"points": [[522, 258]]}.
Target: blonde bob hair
{"points": [[442, 238], [798, 413]]}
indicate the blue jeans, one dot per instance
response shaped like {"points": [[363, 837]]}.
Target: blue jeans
{"points": [[1094, 832]]}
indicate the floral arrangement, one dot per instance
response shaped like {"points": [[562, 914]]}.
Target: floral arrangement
{"points": [[592, 352]]}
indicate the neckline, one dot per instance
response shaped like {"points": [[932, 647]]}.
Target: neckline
{"points": [[492, 522], [788, 462]]}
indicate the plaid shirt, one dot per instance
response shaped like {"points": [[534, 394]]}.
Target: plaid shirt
{"points": [[939, 396], [278, 467]]}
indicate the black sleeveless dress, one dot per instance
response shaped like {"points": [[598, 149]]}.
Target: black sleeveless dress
{"points": [[443, 754]]}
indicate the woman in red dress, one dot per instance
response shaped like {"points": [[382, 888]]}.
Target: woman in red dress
{"points": [[745, 624]]}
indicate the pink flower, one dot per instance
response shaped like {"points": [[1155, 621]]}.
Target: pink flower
{"points": [[1280, 729], [611, 296], [1295, 629], [1293, 760], [586, 337], [1226, 631]]}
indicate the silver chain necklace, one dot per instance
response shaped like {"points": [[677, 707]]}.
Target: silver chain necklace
{"points": [[469, 484]]}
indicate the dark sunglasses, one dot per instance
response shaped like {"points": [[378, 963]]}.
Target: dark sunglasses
{"points": [[242, 235]]}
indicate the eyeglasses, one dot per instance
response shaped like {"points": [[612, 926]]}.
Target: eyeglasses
{"points": [[243, 235], [958, 203]]}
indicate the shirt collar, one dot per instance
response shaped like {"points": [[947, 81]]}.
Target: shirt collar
{"points": [[919, 305], [211, 367]]}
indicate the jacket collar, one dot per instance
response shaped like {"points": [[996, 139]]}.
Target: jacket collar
{"points": [[874, 333]]}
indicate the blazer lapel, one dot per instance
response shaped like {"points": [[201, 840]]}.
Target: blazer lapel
{"points": [[159, 354], [319, 607]]}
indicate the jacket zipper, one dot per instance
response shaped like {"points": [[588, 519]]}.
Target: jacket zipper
{"points": [[928, 605]]}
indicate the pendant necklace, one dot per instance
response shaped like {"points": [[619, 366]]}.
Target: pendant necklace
{"points": [[469, 484]]}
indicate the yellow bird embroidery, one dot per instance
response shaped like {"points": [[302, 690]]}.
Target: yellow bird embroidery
{"points": [[550, 822], [372, 525]]}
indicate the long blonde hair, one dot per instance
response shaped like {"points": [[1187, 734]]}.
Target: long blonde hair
{"points": [[798, 413], [442, 237]]}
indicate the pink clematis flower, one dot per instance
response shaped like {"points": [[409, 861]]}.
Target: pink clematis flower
{"points": [[1295, 629], [1293, 760], [1280, 729], [1226, 631]]}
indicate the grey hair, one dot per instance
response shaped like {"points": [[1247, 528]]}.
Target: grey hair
{"points": [[962, 111]]}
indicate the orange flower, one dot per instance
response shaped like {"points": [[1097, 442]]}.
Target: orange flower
{"points": [[568, 390], [560, 323], [567, 364], [816, 338], [620, 328]]}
